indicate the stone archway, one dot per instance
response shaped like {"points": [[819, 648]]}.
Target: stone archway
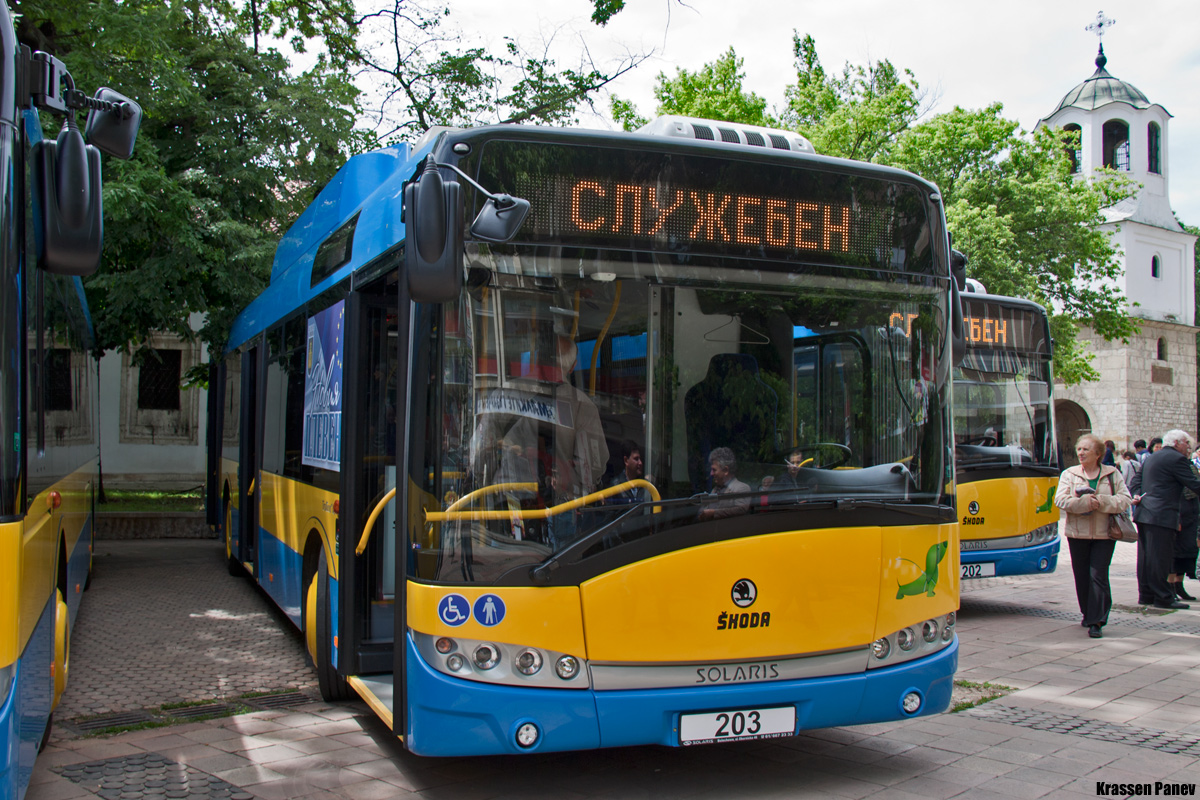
{"points": [[1070, 422]]}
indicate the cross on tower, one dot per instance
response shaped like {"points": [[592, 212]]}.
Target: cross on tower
{"points": [[1101, 24]]}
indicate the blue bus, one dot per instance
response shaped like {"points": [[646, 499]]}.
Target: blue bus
{"points": [[50, 235], [518, 439]]}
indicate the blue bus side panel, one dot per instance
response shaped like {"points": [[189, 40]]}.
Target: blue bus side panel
{"points": [[26, 710], [642, 717], [454, 717], [451, 717], [1018, 560], [280, 569]]}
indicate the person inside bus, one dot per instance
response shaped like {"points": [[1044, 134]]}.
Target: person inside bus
{"points": [[789, 480], [635, 469], [723, 471]]}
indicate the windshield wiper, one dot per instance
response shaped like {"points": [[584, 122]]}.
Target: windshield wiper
{"points": [[541, 572]]}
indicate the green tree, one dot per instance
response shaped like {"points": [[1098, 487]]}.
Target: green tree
{"points": [[858, 114], [715, 91], [232, 146]]}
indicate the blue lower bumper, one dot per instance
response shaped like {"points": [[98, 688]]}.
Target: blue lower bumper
{"points": [[454, 717], [1016, 561]]}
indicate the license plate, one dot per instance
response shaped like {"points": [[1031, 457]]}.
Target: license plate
{"points": [[985, 570], [737, 726]]}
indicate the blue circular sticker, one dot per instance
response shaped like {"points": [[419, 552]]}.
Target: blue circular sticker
{"points": [[454, 610], [489, 610]]}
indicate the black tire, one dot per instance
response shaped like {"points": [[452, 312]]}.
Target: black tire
{"points": [[332, 685], [46, 733], [232, 564]]}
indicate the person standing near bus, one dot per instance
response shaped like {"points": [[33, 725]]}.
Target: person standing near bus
{"points": [[1165, 475], [1088, 494]]}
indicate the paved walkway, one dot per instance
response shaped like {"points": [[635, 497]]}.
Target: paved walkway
{"points": [[1123, 709]]}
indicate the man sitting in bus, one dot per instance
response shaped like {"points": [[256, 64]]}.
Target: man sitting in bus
{"points": [[722, 469], [631, 455]]}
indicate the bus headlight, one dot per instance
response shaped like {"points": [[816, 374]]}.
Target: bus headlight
{"points": [[929, 631], [567, 667], [906, 639], [444, 645], [486, 656], [528, 661], [881, 648], [456, 662]]}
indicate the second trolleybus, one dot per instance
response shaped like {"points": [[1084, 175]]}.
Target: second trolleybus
{"points": [[1005, 452], [50, 235], [519, 436]]}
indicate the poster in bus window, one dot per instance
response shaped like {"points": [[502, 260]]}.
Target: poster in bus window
{"points": [[323, 389]]}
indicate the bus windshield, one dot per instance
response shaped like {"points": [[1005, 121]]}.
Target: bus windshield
{"points": [[1002, 409], [583, 400]]}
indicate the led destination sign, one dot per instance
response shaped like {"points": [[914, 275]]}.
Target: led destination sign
{"points": [[753, 220], [990, 325], [633, 199]]}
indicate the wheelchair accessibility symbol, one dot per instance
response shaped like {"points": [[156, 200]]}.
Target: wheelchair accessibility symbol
{"points": [[454, 609], [489, 610]]}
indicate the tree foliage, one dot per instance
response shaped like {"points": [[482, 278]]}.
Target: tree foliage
{"points": [[1030, 228], [858, 114], [233, 145], [236, 141]]}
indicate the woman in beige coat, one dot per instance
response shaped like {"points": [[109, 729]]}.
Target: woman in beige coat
{"points": [[1088, 494]]}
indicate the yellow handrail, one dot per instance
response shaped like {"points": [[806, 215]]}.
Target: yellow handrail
{"points": [[451, 513], [366, 534]]}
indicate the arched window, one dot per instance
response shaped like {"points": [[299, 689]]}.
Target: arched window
{"points": [[1116, 145], [1162, 349], [1074, 150], [1154, 267], [1154, 148]]}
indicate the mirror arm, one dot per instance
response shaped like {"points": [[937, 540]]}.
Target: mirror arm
{"points": [[501, 200]]}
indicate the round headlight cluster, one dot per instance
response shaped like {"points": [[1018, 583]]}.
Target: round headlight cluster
{"points": [[567, 667], [528, 661], [948, 627], [486, 656], [906, 639], [881, 648]]}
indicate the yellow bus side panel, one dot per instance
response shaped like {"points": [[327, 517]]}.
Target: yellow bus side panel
{"points": [[545, 617], [290, 509], [813, 590], [1006, 507], [922, 580], [10, 583]]}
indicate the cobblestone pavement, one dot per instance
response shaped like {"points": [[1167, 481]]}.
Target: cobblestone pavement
{"points": [[1122, 709], [164, 623]]}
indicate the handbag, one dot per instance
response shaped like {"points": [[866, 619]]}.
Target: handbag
{"points": [[1120, 526]]}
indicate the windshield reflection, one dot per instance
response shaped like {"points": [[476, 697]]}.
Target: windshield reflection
{"points": [[578, 414]]}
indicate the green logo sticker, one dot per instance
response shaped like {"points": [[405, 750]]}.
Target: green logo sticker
{"points": [[928, 580], [1046, 506]]}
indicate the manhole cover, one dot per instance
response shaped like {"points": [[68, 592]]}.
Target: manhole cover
{"points": [[148, 775]]}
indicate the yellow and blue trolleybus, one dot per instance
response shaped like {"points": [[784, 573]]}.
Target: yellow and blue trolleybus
{"points": [[50, 234], [519, 437], [1005, 454]]}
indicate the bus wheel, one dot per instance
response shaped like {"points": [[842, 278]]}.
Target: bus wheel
{"points": [[46, 733], [62, 645], [231, 562], [332, 686]]}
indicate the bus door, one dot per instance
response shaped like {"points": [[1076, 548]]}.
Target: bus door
{"points": [[249, 490], [367, 582]]}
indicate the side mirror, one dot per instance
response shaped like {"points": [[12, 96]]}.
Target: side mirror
{"points": [[958, 268], [500, 218], [68, 208], [433, 247], [115, 130]]}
